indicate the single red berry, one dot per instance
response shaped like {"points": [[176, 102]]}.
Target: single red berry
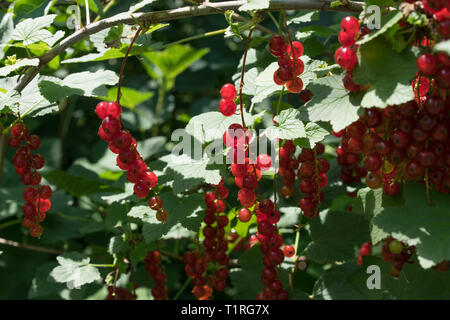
{"points": [[244, 215], [29, 194], [38, 161], [295, 85], [36, 230], [227, 107], [297, 51], [277, 45], [427, 64], [114, 109], [34, 142], [442, 78], [246, 197], [45, 192], [101, 109], [346, 39], [350, 25], [155, 203], [149, 179], [289, 251], [228, 91]]}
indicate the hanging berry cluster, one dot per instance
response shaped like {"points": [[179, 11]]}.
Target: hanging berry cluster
{"points": [[345, 56], [289, 62], [348, 153], [215, 247], [26, 164], [122, 143], [313, 178], [397, 254], [155, 270], [271, 242], [288, 166]]}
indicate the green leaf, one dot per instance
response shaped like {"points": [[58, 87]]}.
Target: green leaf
{"points": [[387, 21], [336, 3], [289, 126], [6, 70], [130, 97], [335, 235], [74, 269], [76, 185], [184, 214], [255, 5], [247, 279], [43, 285], [117, 245], [389, 79], [90, 84], [304, 17], [25, 7], [139, 5], [332, 102], [32, 30], [265, 87], [315, 132], [233, 27], [417, 223], [172, 61], [371, 203], [186, 172], [349, 282], [443, 46], [210, 126], [6, 30]]}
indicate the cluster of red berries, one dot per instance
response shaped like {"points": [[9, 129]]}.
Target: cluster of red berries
{"points": [[365, 250], [227, 106], [405, 142], [120, 294], [288, 165], [345, 56], [122, 143], [155, 270], [290, 64], [215, 245], [397, 254], [271, 242], [26, 164], [313, 178], [348, 153], [434, 69], [440, 9]]}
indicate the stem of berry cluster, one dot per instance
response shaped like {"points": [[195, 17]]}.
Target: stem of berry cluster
{"points": [[29, 247], [289, 37], [124, 62], [241, 85]]}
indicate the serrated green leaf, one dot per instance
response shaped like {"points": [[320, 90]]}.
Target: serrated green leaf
{"points": [[315, 133], [130, 97], [389, 79], [32, 30], [247, 279], [303, 17], [6, 70], [335, 236], [90, 84], [349, 282], [117, 245], [289, 126], [387, 21], [76, 185], [210, 126], [74, 269], [139, 5], [332, 102], [417, 223], [255, 5]]}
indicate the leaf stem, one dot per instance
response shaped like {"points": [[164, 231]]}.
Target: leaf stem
{"points": [[10, 223], [110, 265]]}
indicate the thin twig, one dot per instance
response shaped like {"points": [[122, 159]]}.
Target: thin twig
{"points": [[175, 14], [29, 247]]}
